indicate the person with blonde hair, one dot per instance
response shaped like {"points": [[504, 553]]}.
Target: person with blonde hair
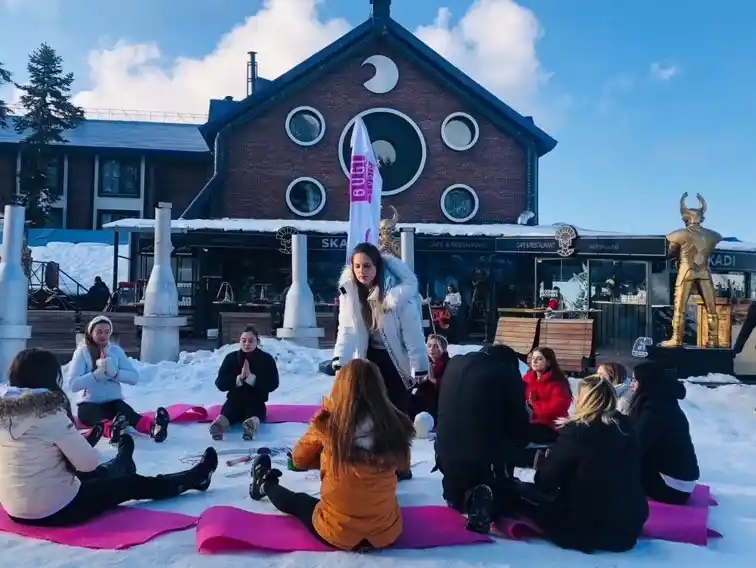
{"points": [[357, 441], [588, 492], [616, 373]]}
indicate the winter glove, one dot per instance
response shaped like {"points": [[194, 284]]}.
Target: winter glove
{"points": [[335, 365], [251, 379], [290, 463], [100, 372]]}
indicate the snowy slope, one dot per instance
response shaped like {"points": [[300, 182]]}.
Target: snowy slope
{"points": [[722, 420]]}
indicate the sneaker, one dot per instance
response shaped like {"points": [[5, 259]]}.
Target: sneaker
{"points": [[480, 510], [119, 427], [159, 428], [262, 474], [249, 428], [95, 434], [203, 471]]}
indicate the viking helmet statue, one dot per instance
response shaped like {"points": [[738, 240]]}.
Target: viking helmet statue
{"points": [[692, 216]]}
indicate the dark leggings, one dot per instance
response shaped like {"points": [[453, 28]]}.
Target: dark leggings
{"points": [[237, 411], [397, 390], [658, 490], [98, 495], [301, 506], [91, 413]]}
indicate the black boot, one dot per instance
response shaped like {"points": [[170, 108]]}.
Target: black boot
{"points": [[404, 475], [121, 465], [159, 428], [95, 434], [197, 478], [480, 509], [119, 427], [262, 474]]}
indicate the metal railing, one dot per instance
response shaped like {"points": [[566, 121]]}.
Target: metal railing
{"points": [[128, 115]]}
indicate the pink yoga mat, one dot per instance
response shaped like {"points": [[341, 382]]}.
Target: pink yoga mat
{"points": [[228, 529], [119, 529], [685, 524], [277, 413], [179, 414]]}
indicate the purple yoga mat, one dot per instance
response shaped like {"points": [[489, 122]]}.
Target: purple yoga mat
{"points": [[686, 524], [277, 413], [228, 529], [119, 529], [182, 413]]}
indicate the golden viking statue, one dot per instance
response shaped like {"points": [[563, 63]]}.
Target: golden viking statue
{"points": [[693, 246], [387, 242]]}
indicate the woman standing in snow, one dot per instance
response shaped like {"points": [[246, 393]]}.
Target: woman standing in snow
{"points": [[97, 370], [248, 375], [49, 475], [379, 320]]}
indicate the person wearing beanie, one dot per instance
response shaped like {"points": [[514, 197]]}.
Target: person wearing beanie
{"points": [[96, 371]]}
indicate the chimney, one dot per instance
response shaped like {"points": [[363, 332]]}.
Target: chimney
{"points": [[251, 72]]}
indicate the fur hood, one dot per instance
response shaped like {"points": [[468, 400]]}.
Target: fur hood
{"points": [[399, 282], [19, 408]]}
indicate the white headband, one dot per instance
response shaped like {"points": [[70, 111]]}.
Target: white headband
{"points": [[95, 321]]}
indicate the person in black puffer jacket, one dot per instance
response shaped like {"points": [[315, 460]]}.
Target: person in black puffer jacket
{"points": [[248, 375], [588, 494], [668, 459]]}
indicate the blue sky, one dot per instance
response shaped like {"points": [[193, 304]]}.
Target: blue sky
{"points": [[630, 141]]}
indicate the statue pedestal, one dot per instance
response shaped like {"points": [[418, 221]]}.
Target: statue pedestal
{"points": [[724, 312], [688, 361]]}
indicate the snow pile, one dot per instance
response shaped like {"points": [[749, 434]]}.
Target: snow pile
{"points": [[83, 261]]}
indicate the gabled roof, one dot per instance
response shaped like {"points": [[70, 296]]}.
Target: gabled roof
{"points": [[122, 135], [299, 77]]}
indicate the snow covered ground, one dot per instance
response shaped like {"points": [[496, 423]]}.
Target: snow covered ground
{"points": [[722, 421], [84, 261]]}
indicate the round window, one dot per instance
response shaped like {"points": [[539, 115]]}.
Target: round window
{"points": [[398, 144], [459, 131], [305, 126], [459, 203], [305, 197]]}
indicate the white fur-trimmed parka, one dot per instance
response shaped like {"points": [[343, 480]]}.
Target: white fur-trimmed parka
{"points": [[401, 323]]}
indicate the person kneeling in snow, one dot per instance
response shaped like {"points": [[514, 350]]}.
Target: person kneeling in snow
{"points": [[358, 441], [49, 475], [588, 494], [97, 370], [482, 425], [248, 375]]}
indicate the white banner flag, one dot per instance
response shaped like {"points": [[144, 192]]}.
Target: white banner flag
{"points": [[365, 185]]}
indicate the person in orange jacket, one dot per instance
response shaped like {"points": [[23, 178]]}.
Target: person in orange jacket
{"points": [[357, 441]]}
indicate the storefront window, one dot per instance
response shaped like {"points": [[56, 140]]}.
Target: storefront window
{"points": [[730, 284], [618, 282], [753, 286], [565, 281], [660, 285]]}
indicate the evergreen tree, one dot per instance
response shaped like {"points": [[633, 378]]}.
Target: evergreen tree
{"points": [[48, 113], [5, 77]]}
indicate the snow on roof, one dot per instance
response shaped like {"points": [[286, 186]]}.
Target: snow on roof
{"points": [[342, 227]]}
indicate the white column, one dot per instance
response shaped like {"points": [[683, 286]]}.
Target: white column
{"points": [[161, 322], [300, 323], [14, 289], [407, 244]]}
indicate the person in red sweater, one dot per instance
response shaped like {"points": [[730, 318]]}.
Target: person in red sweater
{"points": [[548, 395], [425, 396]]}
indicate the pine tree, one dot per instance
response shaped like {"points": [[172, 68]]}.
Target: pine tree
{"points": [[5, 77], [48, 114]]}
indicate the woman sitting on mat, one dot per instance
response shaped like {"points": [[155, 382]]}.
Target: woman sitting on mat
{"points": [[358, 441], [548, 395], [97, 370], [49, 474], [668, 458], [248, 376], [616, 374], [425, 396], [588, 493]]}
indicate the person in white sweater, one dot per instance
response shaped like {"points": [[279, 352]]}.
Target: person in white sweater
{"points": [[616, 374], [49, 474], [380, 320], [96, 371]]}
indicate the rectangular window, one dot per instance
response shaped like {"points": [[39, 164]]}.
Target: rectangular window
{"points": [[119, 178], [105, 216], [53, 173]]}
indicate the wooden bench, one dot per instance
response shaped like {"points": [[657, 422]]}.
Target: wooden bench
{"points": [[52, 329], [571, 340], [125, 332], [232, 324], [518, 333]]}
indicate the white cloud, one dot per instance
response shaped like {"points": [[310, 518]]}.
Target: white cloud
{"points": [[662, 72], [285, 32]]}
